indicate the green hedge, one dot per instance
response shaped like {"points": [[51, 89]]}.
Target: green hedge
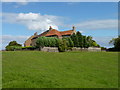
{"points": [[47, 42], [29, 48]]}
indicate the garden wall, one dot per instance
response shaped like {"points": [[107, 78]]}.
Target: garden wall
{"points": [[95, 49], [50, 49], [55, 49]]}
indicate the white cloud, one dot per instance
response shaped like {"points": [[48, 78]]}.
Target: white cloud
{"points": [[36, 21], [7, 38], [98, 24], [33, 21]]}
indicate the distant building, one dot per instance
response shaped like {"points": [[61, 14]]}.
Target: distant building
{"points": [[31, 41]]}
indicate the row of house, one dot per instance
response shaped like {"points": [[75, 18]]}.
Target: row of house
{"points": [[31, 41]]}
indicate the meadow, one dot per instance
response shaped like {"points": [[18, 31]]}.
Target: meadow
{"points": [[35, 69]]}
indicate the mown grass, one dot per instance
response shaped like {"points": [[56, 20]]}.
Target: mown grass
{"points": [[34, 69]]}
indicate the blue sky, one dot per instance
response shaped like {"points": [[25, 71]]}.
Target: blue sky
{"points": [[21, 20]]}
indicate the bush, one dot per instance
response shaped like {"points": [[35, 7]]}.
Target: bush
{"points": [[17, 47], [69, 41], [103, 48], [9, 48], [13, 48], [113, 49], [29, 48], [62, 47]]}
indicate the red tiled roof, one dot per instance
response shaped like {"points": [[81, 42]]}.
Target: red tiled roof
{"points": [[56, 32], [69, 32], [53, 32]]}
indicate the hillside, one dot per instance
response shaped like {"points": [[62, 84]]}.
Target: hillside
{"points": [[34, 69]]}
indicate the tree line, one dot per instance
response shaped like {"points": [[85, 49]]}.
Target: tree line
{"points": [[82, 41], [66, 43]]}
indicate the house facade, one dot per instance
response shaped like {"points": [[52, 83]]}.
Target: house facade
{"points": [[31, 41]]}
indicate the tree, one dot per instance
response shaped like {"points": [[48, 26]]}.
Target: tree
{"points": [[94, 43], [74, 39], [116, 43], [80, 39], [62, 45], [89, 41], [40, 42], [13, 45], [85, 43], [69, 41]]}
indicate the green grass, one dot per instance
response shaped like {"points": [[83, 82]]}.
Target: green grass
{"points": [[34, 69]]}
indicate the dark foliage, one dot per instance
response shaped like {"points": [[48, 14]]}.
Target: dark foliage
{"points": [[82, 41], [116, 43]]}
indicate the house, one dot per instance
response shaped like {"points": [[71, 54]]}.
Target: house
{"points": [[31, 41]]}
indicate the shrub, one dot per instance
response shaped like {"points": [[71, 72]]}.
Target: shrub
{"points": [[9, 48], [62, 45], [103, 48], [13, 48], [29, 47], [69, 41]]}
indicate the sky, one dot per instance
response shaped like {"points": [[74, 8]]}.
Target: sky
{"points": [[20, 20]]}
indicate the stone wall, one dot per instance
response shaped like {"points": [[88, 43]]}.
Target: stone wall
{"points": [[95, 49], [86, 49], [79, 49], [50, 49], [55, 49]]}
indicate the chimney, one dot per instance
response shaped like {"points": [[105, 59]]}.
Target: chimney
{"points": [[50, 28], [35, 33], [74, 29]]}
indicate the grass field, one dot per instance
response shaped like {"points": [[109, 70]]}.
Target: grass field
{"points": [[34, 69]]}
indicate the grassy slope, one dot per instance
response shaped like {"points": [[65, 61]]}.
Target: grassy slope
{"points": [[34, 69]]}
